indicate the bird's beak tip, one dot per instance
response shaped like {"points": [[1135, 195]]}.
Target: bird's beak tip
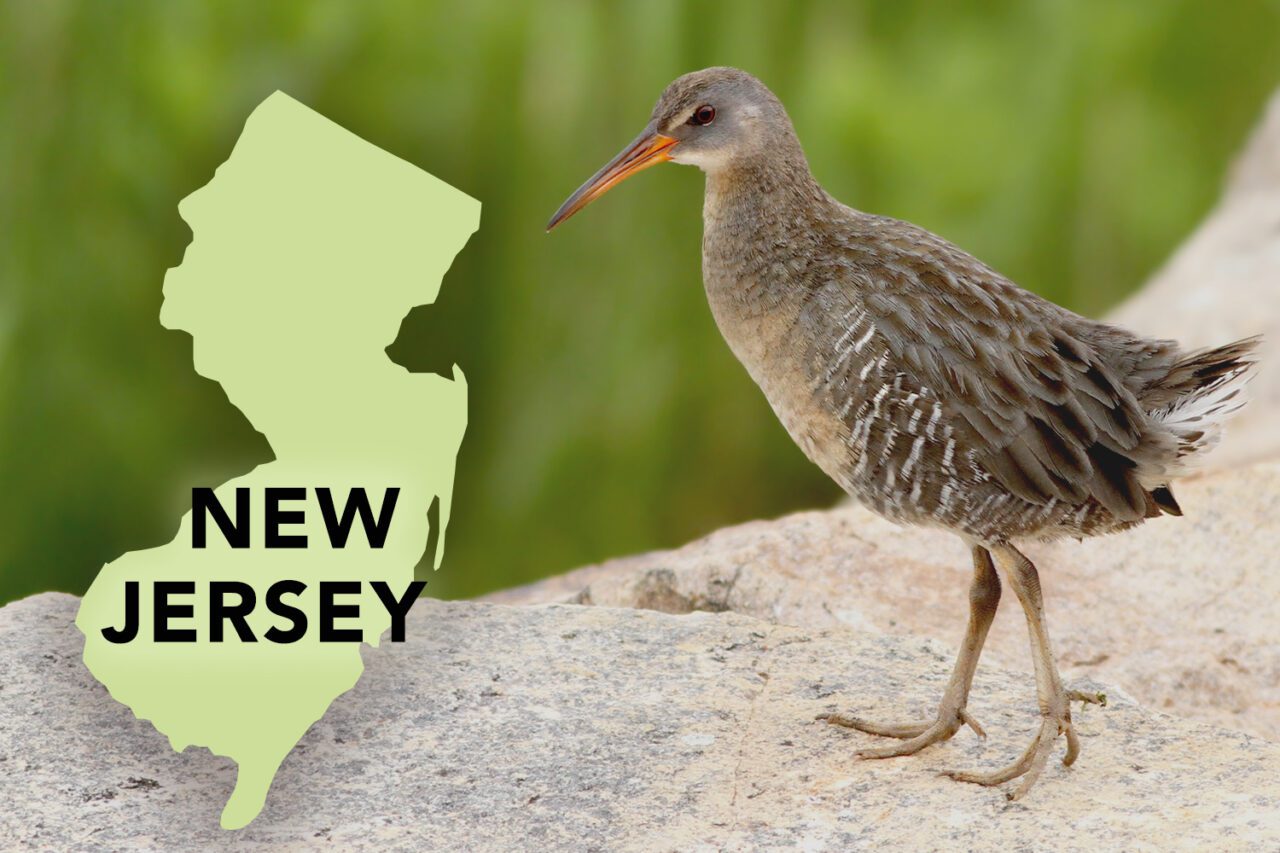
{"points": [[560, 216]]}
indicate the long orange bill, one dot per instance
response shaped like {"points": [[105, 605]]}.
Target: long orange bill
{"points": [[647, 149]]}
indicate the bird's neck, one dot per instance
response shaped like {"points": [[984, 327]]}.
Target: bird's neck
{"points": [[758, 215], [760, 187], [763, 230]]}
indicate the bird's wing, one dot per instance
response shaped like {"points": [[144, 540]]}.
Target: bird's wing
{"points": [[1048, 417]]}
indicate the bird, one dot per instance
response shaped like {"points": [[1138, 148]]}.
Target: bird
{"points": [[930, 387]]}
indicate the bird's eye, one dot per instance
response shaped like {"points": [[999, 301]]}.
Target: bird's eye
{"points": [[703, 115]]}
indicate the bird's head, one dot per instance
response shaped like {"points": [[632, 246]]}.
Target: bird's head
{"points": [[712, 119]]}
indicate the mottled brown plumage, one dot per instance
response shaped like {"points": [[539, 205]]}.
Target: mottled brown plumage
{"points": [[927, 385]]}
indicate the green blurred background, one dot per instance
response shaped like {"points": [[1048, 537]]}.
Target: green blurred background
{"points": [[1070, 144]]}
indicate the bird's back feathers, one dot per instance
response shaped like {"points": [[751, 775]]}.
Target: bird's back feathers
{"points": [[959, 398]]}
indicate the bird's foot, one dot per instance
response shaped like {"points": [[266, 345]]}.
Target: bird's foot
{"points": [[915, 736], [1054, 722]]}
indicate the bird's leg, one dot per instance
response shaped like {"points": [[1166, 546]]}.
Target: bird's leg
{"points": [[984, 597], [1054, 700]]}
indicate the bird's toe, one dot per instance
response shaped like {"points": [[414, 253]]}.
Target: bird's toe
{"points": [[894, 730]]}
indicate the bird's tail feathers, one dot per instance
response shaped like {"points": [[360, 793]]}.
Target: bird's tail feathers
{"points": [[1207, 386]]}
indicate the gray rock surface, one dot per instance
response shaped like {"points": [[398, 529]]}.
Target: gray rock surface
{"points": [[1181, 612], [588, 728]]}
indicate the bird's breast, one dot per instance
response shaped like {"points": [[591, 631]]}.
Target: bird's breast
{"points": [[764, 328]]}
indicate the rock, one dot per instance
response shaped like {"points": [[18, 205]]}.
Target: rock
{"points": [[1224, 284], [597, 728], [1180, 612]]}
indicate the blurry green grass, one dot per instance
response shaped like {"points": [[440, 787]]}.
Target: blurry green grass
{"points": [[1070, 144]]}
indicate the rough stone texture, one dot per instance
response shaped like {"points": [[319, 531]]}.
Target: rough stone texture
{"points": [[1224, 284], [598, 728], [1181, 612]]}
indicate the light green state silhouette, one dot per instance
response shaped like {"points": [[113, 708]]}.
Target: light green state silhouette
{"points": [[310, 247]]}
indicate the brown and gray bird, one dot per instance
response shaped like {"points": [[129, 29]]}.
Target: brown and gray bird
{"points": [[930, 387]]}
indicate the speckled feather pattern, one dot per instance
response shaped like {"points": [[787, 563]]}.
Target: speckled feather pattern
{"points": [[933, 389]]}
